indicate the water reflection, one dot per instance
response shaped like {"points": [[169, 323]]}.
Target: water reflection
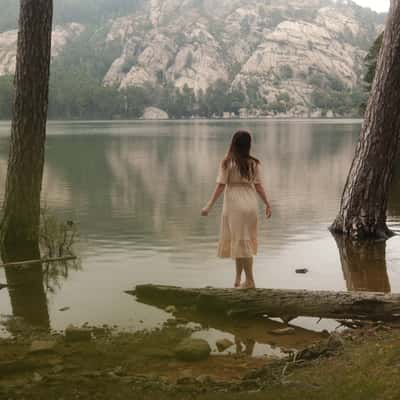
{"points": [[363, 265], [244, 346], [27, 295], [136, 189]]}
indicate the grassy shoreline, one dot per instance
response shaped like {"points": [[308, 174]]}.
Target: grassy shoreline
{"points": [[140, 365]]}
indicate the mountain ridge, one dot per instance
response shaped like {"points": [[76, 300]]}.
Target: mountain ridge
{"points": [[290, 58]]}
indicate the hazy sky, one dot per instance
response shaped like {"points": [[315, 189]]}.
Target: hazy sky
{"points": [[377, 5]]}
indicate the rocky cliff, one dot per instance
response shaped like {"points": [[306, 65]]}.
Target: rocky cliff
{"points": [[276, 51], [62, 35]]}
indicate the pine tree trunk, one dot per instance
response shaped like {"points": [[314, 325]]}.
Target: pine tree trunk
{"points": [[364, 201], [20, 224]]}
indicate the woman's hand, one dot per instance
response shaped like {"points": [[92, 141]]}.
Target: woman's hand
{"points": [[268, 211], [205, 211]]}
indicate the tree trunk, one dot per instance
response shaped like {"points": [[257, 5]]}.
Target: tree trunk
{"points": [[364, 201], [27, 295], [20, 224], [285, 304]]}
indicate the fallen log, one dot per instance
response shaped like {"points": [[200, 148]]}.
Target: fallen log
{"points": [[280, 303]]}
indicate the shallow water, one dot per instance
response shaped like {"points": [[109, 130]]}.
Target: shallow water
{"points": [[136, 190]]}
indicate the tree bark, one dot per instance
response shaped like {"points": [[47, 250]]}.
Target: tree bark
{"points": [[364, 201], [284, 304], [21, 213]]}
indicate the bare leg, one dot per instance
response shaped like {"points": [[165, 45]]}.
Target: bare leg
{"points": [[248, 270], [239, 270]]}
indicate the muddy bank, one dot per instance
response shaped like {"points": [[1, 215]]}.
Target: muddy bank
{"points": [[104, 363], [109, 364]]}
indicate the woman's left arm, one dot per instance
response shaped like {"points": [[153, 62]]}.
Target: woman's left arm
{"points": [[219, 189], [261, 192]]}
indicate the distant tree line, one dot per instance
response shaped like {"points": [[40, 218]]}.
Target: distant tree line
{"points": [[79, 96]]}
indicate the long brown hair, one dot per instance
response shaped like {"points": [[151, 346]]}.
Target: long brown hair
{"points": [[239, 154]]}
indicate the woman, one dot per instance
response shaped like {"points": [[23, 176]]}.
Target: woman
{"points": [[239, 177]]}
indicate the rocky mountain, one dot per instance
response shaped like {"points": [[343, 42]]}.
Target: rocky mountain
{"points": [[274, 52], [61, 37]]}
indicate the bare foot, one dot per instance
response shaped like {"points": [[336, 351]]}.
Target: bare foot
{"points": [[236, 284], [248, 285]]}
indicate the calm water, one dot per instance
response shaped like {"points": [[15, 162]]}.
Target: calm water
{"points": [[136, 190]]}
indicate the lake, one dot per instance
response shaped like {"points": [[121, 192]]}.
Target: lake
{"points": [[135, 189]]}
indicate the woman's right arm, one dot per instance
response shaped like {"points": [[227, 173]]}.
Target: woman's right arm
{"points": [[261, 192], [219, 189]]}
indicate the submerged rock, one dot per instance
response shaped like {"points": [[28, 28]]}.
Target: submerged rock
{"points": [[301, 270], [192, 350]]}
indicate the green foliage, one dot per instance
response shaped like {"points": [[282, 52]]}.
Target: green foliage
{"points": [[76, 89], [129, 62], [189, 60], [56, 238], [234, 69], [286, 72], [331, 93], [282, 103], [341, 102], [371, 60], [277, 17], [245, 25]]}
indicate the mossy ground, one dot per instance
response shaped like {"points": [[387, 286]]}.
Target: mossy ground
{"points": [[366, 368]]}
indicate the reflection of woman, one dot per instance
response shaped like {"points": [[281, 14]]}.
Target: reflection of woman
{"points": [[248, 344], [239, 177]]}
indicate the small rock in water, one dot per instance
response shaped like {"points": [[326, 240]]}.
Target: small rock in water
{"points": [[284, 331], [204, 379], [301, 270], [119, 371], [64, 308], [192, 350], [223, 344], [42, 346], [186, 377], [170, 309], [74, 334], [37, 377], [57, 369]]}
